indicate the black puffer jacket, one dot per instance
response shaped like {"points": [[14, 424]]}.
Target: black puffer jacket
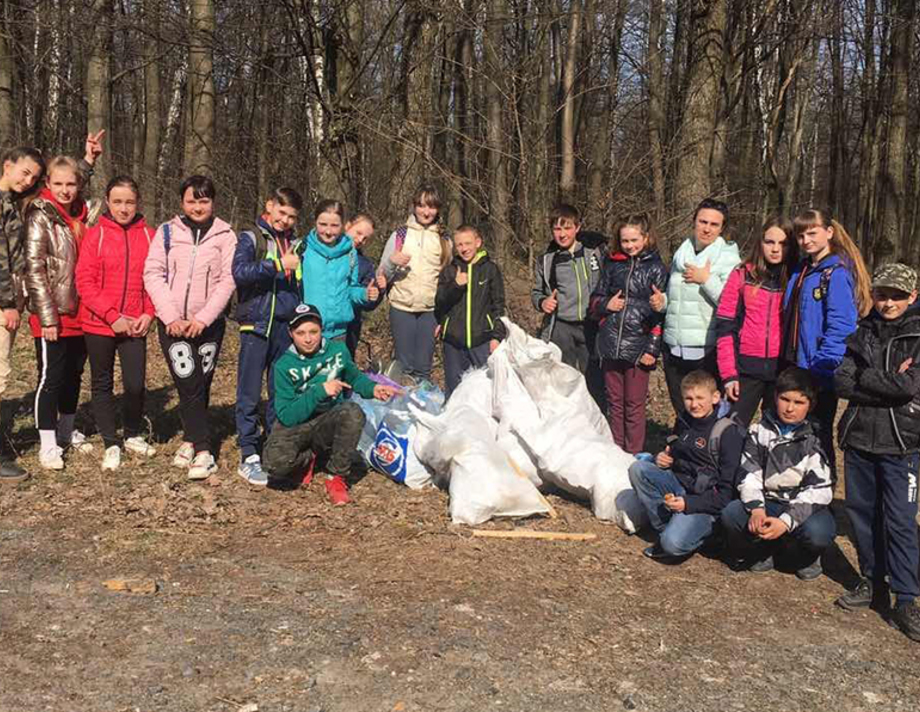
{"points": [[470, 315], [636, 330], [883, 415]]}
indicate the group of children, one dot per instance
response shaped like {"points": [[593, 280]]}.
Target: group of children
{"points": [[773, 331]]}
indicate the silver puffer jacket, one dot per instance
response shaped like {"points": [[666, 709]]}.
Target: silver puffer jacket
{"points": [[51, 258]]}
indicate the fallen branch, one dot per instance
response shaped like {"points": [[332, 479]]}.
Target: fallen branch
{"points": [[529, 534]]}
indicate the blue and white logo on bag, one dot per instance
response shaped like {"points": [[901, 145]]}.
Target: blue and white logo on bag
{"points": [[389, 454]]}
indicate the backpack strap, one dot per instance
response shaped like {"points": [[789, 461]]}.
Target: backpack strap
{"points": [[167, 238], [715, 436], [401, 233]]}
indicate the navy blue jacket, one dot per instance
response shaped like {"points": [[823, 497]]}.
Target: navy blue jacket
{"points": [[366, 272], [710, 485], [266, 294]]}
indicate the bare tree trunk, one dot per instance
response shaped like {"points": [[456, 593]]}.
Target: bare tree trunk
{"points": [[463, 93], [496, 97], [656, 116], [567, 179], [98, 98], [894, 215], [697, 130], [837, 166], [199, 143], [7, 135]]}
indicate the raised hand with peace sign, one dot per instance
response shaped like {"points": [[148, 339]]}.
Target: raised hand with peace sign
{"points": [[93, 146], [289, 259]]}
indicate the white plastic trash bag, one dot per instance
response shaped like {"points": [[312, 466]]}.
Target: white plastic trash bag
{"points": [[481, 480], [391, 451]]}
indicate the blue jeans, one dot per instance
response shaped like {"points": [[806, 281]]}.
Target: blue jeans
{"points": [[809, 539], [458, 360], [679, 534], [257, 354]]}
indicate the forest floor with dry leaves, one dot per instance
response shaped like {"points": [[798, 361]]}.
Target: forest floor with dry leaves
{"points": [[272, 600]]}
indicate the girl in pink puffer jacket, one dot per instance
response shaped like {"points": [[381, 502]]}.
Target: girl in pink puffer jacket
{"points": [[188, 275]]}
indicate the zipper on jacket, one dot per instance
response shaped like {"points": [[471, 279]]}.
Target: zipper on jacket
{"points": [[766, 355], [207, 282], [469, 306], [196, 236], [894, 420], [632, 266], [124, 288], [578, 287]]}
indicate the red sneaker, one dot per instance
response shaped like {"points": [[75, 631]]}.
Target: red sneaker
{"points": [[337, 491], [308, 473]]}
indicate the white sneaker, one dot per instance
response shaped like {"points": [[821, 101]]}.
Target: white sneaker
{"points": [[138, 445], [78, 442], [202, 467], [51, 459], [112, 459], [184, 456]]}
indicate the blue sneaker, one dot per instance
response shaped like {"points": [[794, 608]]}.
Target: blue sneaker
{"points": [[251, 470]]}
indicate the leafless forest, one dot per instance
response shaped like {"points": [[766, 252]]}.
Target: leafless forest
{"points": [[616, 105]]}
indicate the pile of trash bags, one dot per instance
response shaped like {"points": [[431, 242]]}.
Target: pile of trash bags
{"points": [[523, 423]]}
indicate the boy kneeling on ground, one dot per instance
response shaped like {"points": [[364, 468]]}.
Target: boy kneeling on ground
{"points": [[785, 487], [313, 415], [690, 482], [880, 436]]}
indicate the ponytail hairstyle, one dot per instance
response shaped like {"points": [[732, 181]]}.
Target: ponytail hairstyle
{"points": [[643, 223], [755, 258], [330, 206], [428, 194], [123, 182], [68, 163], [841, 244]]}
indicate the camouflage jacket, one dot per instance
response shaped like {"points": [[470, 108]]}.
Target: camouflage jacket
{"points": [[12, 254]]}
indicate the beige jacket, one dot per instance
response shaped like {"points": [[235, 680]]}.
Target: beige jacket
{"points": [[415, 285], [51, 260]]}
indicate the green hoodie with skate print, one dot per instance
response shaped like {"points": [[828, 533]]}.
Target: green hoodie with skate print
{"points": [[299, 382]]}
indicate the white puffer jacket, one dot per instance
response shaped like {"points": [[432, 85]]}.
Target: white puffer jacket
{"points": [[690, 318]]}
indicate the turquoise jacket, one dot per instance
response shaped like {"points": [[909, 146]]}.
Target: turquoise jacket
{"points": [[330, 282]]}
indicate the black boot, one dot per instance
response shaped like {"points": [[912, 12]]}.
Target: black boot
{"points": [[906, 617], [11, 472]]}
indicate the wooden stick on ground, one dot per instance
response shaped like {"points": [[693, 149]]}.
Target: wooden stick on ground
{"points": [[530, 534], [517, 470]]}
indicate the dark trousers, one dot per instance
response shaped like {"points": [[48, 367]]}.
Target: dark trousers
{"points": [[60, 369], [570, 337], [257, 355], [882, 506], [413, 340], [676, 368], [627, 394], [824, 414], [458, 360], [132, 353], [288, 451], [353, 334], [192, 363], [809, 539], [753, 392]]}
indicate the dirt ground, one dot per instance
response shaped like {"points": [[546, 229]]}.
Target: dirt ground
{"points": [[272, 600]]}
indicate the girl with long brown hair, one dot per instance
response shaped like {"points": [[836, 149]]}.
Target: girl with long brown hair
{"points": [[749, 320]]}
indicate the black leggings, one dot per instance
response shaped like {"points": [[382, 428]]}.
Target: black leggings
{"points": [[60, 369], [192, 363], [132, 353]]}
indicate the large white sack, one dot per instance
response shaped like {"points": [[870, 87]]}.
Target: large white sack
{"points": [[475, 391], [586, 465], [482, 483], [558, 390]]}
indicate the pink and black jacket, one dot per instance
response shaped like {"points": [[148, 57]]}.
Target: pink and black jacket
{"points": [[749, 326]]}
